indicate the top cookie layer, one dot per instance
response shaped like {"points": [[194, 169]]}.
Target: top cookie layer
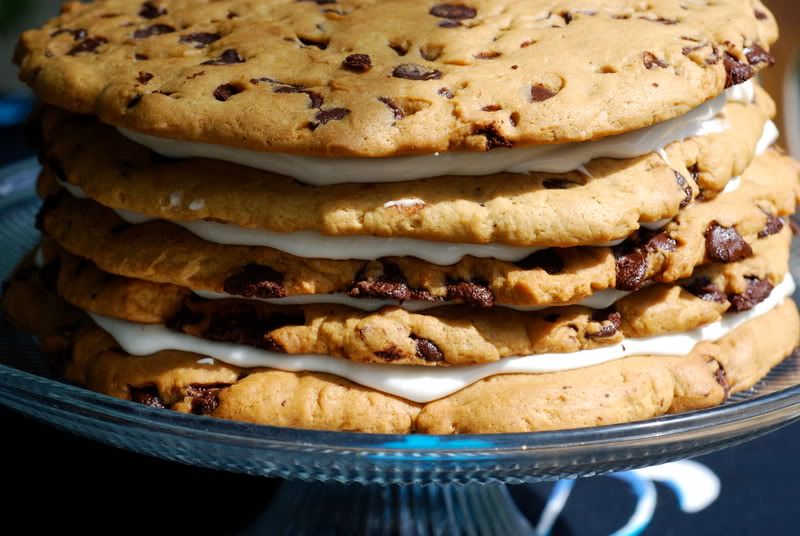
{"points": [[383, 78]]}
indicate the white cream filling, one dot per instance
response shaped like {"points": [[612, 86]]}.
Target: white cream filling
{"points": [[559, 158], [424, 384], [599, 300]]}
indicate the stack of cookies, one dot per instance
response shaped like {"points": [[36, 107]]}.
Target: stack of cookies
{"points": [[410, 216]]}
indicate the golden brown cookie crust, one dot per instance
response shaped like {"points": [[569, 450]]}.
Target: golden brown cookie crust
{"points": [[626, 390], [540, 209], [471, 76], [165, 253]]}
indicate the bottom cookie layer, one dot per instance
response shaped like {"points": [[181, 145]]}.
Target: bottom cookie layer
{"points": [[625, 390]]}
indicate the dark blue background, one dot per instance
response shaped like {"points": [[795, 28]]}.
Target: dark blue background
{"points": [[55, 480]]}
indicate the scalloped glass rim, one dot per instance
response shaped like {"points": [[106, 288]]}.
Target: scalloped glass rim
{"points": [[366, 458]]}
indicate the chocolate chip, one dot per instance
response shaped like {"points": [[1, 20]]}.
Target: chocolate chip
{"points": [[446, 93], [610, 321], [255, 281], [471, 293], [487, 55], [77, 34], [703, 288], [546, 259], [226, 91], [774, 225], [390, 353], [757, 291], [760, 15], [651, 61], [88, 45], [492, 108], [205, 398], [725, 244], [737, 72], [151, 11], [147, 395], [632, 257], [228, 57], [141, 57], [453, 11], [144, 78], [757, 55], [316, 98], [722, 379], [687, 189], [493, 138], [400, 48], [245, 327], [391, 284], [567, 16], [184, 317], [332, 114], [541, 93], [200, 39], [151, 31], [397, 112], [412, 71], [358, 63], [427, 350]]}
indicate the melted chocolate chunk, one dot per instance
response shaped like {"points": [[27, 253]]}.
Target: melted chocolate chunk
{"points": [[144, 78], [651, 61], [610, 321], [453, 11], [774, 226], [332, 114], [200, 39], [397, 112], [88, 45], [151, 11], [725, 244], [632, 257], [77, 34], [540, 93], [147, 395], [703, 288], [757, 55], [390, 285], [205, 398], [471, 293], [427, 350], [390, 353], [151, 31], [316, 98], [493, 138], [255, 281], [546, 259], [412, 71], [358, 63], [226, 91], [737, 71], [245, 327], [229, 57], [757, 291], [722, 379], [687, 189]]}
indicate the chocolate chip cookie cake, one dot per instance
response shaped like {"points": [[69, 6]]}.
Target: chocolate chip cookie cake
{"points": [[409, 216]]}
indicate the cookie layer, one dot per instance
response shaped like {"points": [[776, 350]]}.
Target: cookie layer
{"points": [[540, 209], [419, 77], [630, 389], [164, 253]]}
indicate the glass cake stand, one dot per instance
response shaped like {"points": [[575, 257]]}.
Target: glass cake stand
{"points": [[469, 473]]}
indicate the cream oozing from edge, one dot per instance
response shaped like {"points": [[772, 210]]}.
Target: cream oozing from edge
{"points": [[424, 384], [558, 158], [598, 300]]}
